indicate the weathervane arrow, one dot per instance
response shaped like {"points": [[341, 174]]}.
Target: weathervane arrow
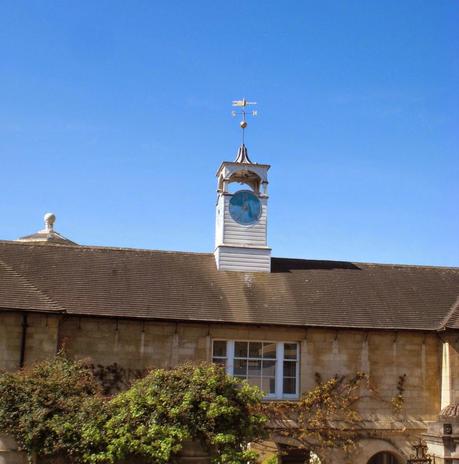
{"points": [[243, 104]]}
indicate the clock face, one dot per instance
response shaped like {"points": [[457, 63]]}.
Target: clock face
{"points": [[245, 207]]}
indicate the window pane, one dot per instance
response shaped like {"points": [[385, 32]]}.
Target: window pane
{"points": [[289, 368], [257, 363], [220, 348], [220, 361], [240, 349], [269, 350], [240, 367], [255, 350], [254, 368], [256, 381], [269, 368], [290, 350], [268, 385], [289, 386]]}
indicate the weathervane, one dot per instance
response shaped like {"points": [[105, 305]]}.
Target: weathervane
{"points": [[243, 104]]}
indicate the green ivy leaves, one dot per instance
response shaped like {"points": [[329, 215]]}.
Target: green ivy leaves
{"points": [[56, 408]]}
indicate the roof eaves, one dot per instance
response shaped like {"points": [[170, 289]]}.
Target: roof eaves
{"points": [[105, 314]]}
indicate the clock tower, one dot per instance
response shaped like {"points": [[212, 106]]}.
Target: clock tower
{"points": [[241, 219]]}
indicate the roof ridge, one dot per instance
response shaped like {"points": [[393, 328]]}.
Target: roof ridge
{"points": [[31, 286], [149, 250], [104, 248], [417, 266]]}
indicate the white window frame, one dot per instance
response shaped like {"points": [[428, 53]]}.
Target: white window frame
{"points": [[279, 382]]}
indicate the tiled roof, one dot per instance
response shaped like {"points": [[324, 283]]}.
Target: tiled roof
{"points": [[452, 410], [17, 292], [186, 286], [451, 320]]}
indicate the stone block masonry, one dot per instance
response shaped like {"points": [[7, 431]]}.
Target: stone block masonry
{"points": [[138, 345]]}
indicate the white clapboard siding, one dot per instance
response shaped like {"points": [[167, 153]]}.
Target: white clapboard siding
{"points": [[247, 260], [239, 247], [237, 234]]}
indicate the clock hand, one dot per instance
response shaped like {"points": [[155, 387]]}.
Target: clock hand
{"points": [[250, 211], [247, 209]]}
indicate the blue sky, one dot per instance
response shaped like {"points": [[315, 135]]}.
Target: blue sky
{"points": [[115, 115]]}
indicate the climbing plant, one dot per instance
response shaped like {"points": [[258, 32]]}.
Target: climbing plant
{"points": [[56, 408], [399, 400], [324, 417]]}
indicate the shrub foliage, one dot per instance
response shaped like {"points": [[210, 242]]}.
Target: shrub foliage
{"points": [[158, 413], [56, 408], [42, 406]]}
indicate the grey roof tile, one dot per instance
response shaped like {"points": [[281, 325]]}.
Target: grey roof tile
{"points": [[150, 284]]}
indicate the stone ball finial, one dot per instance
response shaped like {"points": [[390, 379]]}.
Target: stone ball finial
{"points": [[49, 219]]}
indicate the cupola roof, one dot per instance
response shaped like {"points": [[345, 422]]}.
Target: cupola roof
{"points": [[47, 235], [243, 155], [452, 410]]}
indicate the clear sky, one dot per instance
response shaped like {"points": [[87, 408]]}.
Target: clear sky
{"points": [[116, 114]]}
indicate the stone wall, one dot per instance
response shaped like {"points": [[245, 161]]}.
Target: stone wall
{"points": [[137, 345], [10, 340], [41, 340], [385, 356], [9, 453], [451, 342]]}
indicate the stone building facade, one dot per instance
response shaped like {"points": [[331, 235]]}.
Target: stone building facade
{"points": [[276, 323]]}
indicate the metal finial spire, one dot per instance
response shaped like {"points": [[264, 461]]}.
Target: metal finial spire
{"points": [[243, 155], [243, 104]]}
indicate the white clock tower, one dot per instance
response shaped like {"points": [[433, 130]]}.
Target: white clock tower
{"points": [[241, 218]]}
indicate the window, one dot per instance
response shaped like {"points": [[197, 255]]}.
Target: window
{"points": [[271, 366]]}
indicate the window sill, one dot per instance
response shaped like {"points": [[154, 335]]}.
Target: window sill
{"points": [[268, 399]]}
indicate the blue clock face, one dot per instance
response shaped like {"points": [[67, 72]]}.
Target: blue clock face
{"points": [[245, 207]]}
